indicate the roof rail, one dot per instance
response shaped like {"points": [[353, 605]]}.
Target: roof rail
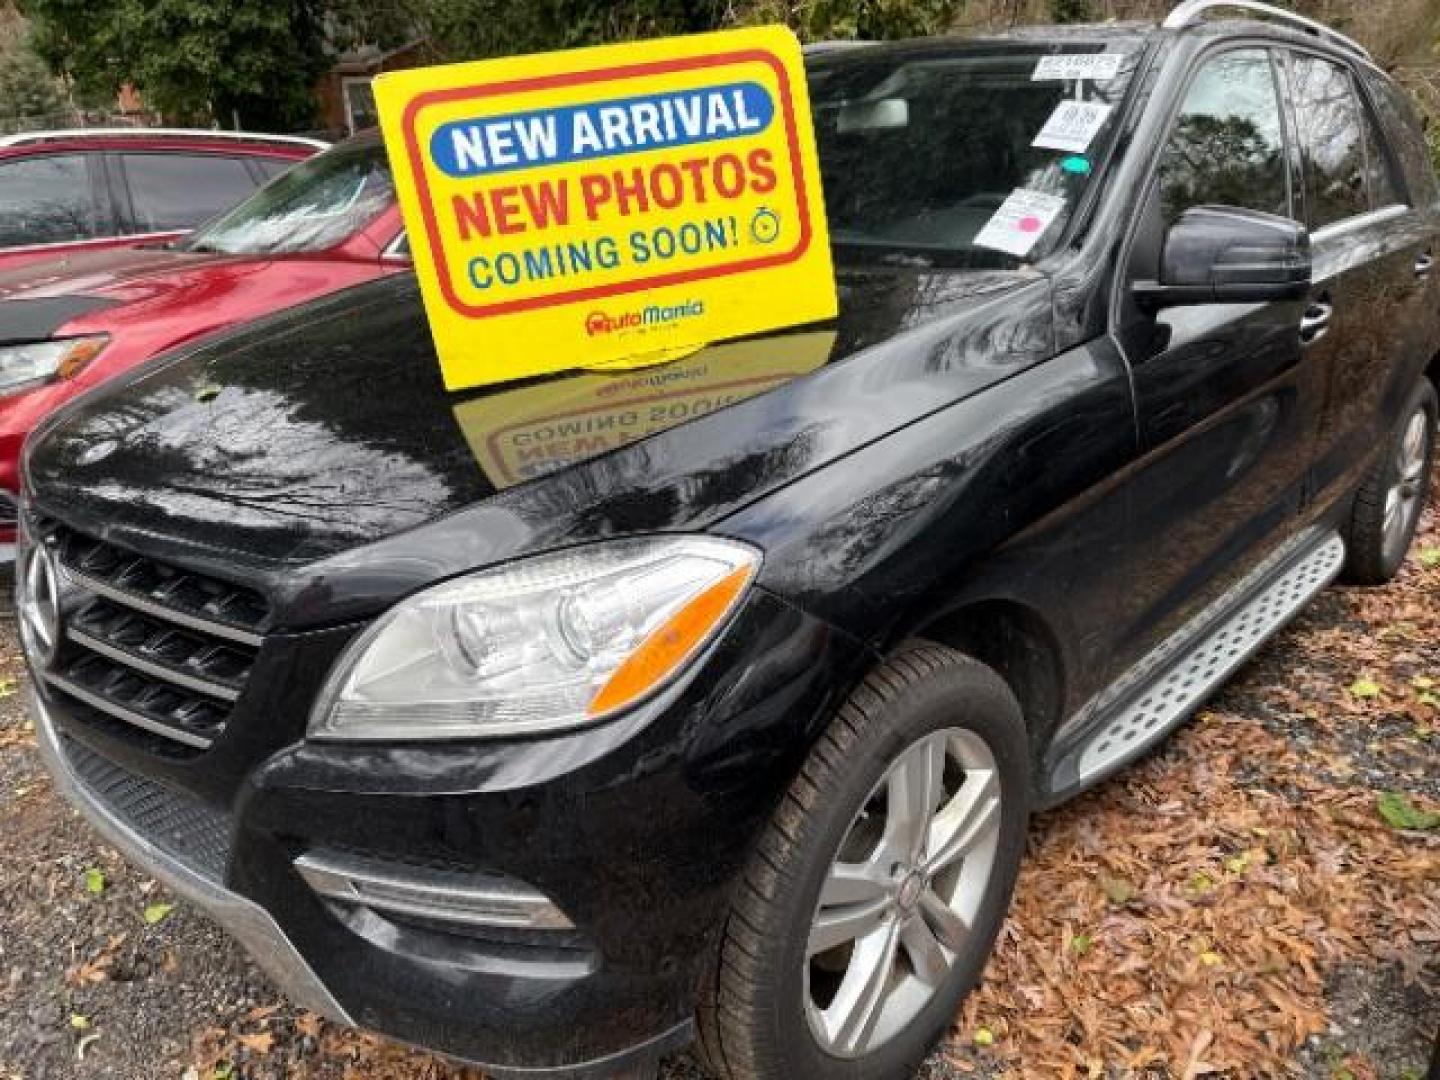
{"points": [[27, 138], [1188, 14], [821, 48]]}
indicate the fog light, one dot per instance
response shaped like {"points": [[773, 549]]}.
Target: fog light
{"points": [[473, 900]]}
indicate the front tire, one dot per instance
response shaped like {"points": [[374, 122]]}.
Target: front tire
{"points": [[1388, 504], [876, 893]]}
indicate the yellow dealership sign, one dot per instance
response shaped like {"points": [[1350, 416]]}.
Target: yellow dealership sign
{"points": [[614, 205]]}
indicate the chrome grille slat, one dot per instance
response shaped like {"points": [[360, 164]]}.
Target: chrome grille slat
{"points": [[165, 650], [130, 716], [160, 611], [221, 667], [160, 671]]}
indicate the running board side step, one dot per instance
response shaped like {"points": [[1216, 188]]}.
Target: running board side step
{"points": [[1161, 692]]}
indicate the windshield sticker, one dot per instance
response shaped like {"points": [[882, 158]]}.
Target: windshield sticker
{"points": [[1073, 126], [1020, 222], [1097, 66]]}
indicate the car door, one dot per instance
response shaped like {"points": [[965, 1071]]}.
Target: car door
{"points": [[1374, 254], [1225, 405]]}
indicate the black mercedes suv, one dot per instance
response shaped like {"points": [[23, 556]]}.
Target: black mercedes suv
{"points": [[555, 724]]}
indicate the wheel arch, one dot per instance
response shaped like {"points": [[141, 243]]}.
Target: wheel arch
{"points": [[1019, 644]]}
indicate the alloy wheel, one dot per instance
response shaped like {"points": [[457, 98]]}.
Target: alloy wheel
{"points": [[898, 902], [1402, 501]]}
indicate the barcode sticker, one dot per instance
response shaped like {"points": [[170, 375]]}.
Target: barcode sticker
{"points": [[1097, 66]]}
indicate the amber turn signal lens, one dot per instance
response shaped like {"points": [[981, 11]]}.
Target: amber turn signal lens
{"points": [[79, 355], [670, 645]]}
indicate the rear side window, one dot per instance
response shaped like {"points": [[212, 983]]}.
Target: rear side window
{"points": [[1384, 191], [1332, 141], [1227, 147], [46, 200], [170, 192], [1402, 127]]}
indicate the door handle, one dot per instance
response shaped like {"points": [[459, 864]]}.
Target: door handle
{"points": [[1316, 322], [1424, 264]]}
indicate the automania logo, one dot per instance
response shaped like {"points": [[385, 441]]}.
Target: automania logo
{"points": [[598, 323]]}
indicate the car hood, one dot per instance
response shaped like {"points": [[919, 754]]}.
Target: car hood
{"points": [[38, 299], [297, 452], [101, 273], [160, 295]]}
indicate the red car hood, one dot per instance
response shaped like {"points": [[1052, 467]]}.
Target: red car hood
{"points": [[98, 273], [160, 298]]}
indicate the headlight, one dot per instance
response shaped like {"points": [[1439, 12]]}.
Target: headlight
{"points": [[541, 645], [35, 361]]}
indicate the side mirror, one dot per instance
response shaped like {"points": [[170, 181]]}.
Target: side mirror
{"points": [[1224, 255]]}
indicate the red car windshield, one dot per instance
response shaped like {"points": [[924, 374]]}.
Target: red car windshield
{"points": [[312, 207]]}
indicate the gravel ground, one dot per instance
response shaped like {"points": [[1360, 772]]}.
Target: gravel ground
{"points": [[99, 978]]}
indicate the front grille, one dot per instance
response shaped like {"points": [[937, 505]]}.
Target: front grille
{"points": [[187, 829], [151, 651], [9, 511], [180, 596]]}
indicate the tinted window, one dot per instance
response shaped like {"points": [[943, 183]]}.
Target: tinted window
{"points": [[45, 200], [1384, 191], [179, 191], [1403, 128], [1332, 141], [1228, 146]]}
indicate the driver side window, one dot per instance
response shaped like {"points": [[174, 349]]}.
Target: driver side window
{"points": [[1227, 147]]}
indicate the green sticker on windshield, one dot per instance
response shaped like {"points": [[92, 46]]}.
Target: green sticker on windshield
{"points": [[1076, 164]]}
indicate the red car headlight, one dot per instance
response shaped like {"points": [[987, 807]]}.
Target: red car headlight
{"points": [[40, 361]]}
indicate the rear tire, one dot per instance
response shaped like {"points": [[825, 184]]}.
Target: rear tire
{"points": [[851, 898], [1389, 503]]}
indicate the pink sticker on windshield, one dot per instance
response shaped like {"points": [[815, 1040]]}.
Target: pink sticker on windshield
{"points": [[1021, 221]]}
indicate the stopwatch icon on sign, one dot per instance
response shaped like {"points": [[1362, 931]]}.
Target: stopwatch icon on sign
{"points": [[765, 226]]}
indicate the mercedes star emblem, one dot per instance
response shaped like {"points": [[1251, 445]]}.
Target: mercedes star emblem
{"points": [[39, 605]]}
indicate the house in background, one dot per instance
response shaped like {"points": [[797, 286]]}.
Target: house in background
{"points": [[347, 102]]}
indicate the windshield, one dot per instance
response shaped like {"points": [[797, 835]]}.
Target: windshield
{"points": [[962, 155], [313, 206]]}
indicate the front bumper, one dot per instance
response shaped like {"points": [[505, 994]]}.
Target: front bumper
{"points": [[635, 829], [247, 922], [124, 827]]}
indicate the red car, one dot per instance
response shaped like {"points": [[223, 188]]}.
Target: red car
{"points": [[65, 326], [69, 191]]}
